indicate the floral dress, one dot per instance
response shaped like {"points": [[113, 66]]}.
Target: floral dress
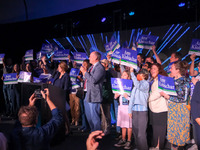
{"points": [[178, 128]]}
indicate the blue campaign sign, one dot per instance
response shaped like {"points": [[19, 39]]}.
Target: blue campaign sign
{"points": [[129, 58], [61, 54], [79, 57], [195, 47], [36, 80], [169, 67], [24, 76], [121, 86], [166, 84], [116, 56], [112, 45], [10, 78], [147, 41], [1, 58], [28, 55], [74, 72], [40, 54]]}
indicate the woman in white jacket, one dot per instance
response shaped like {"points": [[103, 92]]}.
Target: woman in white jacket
{"points": [[158, 109]]}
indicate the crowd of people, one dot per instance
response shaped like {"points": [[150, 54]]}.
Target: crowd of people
{"points": [[170, 117]]}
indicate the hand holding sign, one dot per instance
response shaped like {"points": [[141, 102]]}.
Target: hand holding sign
{"points": [[166, 96]]}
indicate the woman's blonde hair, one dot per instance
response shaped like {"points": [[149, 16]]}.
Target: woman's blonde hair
{"points": [[63, 66]]}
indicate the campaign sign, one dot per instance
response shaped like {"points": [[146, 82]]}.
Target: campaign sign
{"points": [[36, 80], [121, 86], [195, 47], [74, 72], [1, 58], [116, 56], [147, 41], [129, 58], [166, 84], [40, 54], [24, 76], [47, 48], [107, 47], [169, 67], [61, 54], [29, 55], [10, 78], [79, 57]]}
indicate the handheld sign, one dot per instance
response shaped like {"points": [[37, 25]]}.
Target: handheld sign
{"points": [[166, 84], [29, 55], [10, 78], [36, 80], [195, 47], [121, 86], [147, 41], [74, 72], [129, 58], [40, 54], [61, 54], [112, 45], [116, 56], [79, 57], [169, 67], [24, 76], [1, 58]]}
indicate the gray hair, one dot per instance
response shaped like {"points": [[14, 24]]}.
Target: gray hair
{"points": [[98, 55]]}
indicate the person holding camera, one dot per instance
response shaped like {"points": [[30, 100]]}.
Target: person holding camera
{"points": [[26, 135]]}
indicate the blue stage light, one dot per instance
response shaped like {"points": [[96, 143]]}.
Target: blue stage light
{"points": [[103, 19], [182, 4], [131, 13]]}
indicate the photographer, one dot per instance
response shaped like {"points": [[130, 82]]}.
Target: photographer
{"points": [[27, 135]]}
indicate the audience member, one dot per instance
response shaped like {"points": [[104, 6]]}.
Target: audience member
{"points": [[158, 109], [138, 109], [93, 98], [178, 126], [27, 135]]}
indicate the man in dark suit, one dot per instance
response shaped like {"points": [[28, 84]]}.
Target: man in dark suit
{"points": [[95, 77]]}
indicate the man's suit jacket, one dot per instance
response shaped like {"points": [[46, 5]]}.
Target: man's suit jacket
{"points": [[94, 83]]}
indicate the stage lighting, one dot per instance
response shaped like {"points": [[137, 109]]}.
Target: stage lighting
{"points": [[103, 19], [182, 4], [131, 13]]}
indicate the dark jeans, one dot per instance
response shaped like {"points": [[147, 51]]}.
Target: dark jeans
{"points": [[196, 132], [15, 97], [83, 116], [116, 113], [140, 119], [105, 118], [7, 98]]}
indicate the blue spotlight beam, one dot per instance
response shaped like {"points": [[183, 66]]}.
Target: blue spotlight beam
{"points": [[170, 39], [59, 44], [47, 41], [133, 30], [167, 38], [194, 61], [83, 41], [102, 36], [94, 41], [118, 37], [180, 36], [82, 45], [89, 38], [71, 44], [106, 39], [196, 28], [185, 56], [168, 31]]}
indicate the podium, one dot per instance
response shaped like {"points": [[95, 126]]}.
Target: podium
{"points": [[57, 95]]}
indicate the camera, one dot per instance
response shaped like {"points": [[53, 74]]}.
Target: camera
{"points": [[38, 94]]}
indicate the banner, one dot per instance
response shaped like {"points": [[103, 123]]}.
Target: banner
{"points": [[24, 76], [166, 84], [47, 48], [116, 56], [79, 57], [147, 41], [10, 78], [28, 55], [74, 72], [1, 58], [195, 47], [61, 54], [121, 86], [129, 58]]}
